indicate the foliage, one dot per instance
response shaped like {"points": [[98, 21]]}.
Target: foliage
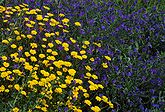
{"points": [[130, 33]]}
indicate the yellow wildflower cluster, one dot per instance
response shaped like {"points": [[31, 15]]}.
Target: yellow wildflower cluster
{"points": [[39, 62]]}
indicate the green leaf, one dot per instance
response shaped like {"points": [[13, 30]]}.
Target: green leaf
{"points": [[1, 1], [137, 45]]}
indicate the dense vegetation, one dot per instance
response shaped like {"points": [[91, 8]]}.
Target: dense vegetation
{"points": [[82, 55]]}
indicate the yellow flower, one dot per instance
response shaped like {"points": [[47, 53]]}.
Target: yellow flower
{"points": [[45, 62], [17, 87], [45, 7], [67, 81], [50, 14], [5, 22], [33, 52], [29, 36], [94, 77], [33, 45], [51, 68], [98, 98], [104, 98], [42, 55], [79, 57], [110, 104], [17, 7], [2, 69], [61, 15], [65, 20], [22, 35], [96, 109], [63, 86], [47, 34], [72, 40], [20, 48], [37, 107], [4, 58], [44, 73], [88, 74], [23, 93], [29, 25], [68, 64], [54, 53], [84, 56], [77, 24], [58, 41], [2, 88], [5, 41], [26, 19], [44, 46], [87, 102], [22, 59], [2, 9], [66, 49], [65, 44], [33, 82], [33, 32], [58, 90], [32, 12], [50, 45], [39, 17], [16, 32], [97, 44], [27, 54], [10, 86], [74, 53], [52, 77], [41, 24], [100, 86], [53, 22], [5, 64], [44, 39], [28, 67], [30, 110], [79, 81], [64, 69], [104, 65], [32, 58], [16, 71], [4, 74], [59, 73], [93, 87], [32, 22], [25, 4], [107, 57], [57, 33], [9, 39], [13, 10], [65, 31], [14, 55], [86, 42], [49, 50], [82, 52], [86, 95], [16, 109], [72, 72], [13, 46], [44, 109], [77, 110], [7, 90], [45, 19], [38, 10]]}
